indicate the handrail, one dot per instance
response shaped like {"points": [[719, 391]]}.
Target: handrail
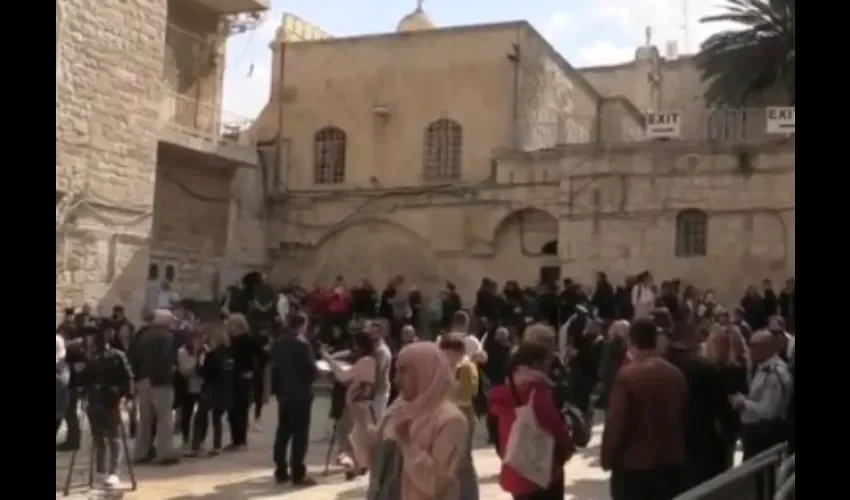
{"points": [[768, 458], [787, 490]]}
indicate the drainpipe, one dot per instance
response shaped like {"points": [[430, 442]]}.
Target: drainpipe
{"points": [[280, 116], [514, 58]]}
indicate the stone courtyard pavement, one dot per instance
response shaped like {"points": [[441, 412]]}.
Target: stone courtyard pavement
{"points": [[247, 475]]}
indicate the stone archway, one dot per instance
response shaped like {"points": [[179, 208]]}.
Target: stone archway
{"points": [[533, 229], [526, 243], [377, 250]]}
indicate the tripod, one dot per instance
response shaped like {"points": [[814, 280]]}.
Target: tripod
{"points": [[334, 432], [125, 450]]}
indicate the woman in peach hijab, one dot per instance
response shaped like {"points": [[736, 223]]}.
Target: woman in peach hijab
{"points": [[428, 431]]}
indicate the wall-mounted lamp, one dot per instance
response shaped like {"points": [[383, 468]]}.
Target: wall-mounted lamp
{"points": [[381, 110]]}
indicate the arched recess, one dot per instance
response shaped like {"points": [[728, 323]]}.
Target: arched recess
{"points": [[535, 231], [526, 247], [373, 249]]}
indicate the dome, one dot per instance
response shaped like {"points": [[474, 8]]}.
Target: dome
{"points": [[415, 21]]}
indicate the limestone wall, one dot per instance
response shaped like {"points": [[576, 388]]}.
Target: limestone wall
{"points": [[109, 59], [610, 209]]}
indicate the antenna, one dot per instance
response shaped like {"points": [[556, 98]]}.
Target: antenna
{"points": [[685, 26]]}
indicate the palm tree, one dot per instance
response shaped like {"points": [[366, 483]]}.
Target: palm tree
{"points": [[758, 57]]}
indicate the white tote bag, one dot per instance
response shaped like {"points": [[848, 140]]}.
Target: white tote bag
{"points": [[530, 448]]}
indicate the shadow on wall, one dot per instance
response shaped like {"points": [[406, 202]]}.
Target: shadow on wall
{"points": [[110, 271], [374, 250]]}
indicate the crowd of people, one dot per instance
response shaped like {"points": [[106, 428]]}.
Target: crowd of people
{"points": [[682, 379]]}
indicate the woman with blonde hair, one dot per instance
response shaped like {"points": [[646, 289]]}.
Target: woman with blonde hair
{"points": [[215, 368], [725, 346], [246, 352]]}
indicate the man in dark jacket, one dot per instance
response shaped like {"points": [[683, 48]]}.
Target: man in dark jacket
{"points": [[152, 357], [707, 403], [604, 299], [293, 374]]}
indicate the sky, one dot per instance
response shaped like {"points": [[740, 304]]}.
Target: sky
{"points": [[587, 33]]}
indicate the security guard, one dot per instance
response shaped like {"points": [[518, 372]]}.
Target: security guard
{"points": [[764, 409], [106, 378]]}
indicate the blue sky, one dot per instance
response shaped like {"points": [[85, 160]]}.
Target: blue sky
{"points": [[591, 32]]}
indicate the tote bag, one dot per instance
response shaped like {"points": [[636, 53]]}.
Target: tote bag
{"points": [[530, 448]]}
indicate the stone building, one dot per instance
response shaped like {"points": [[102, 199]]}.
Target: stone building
{"points": [[465, 152], [434, 153], [138, 122]]}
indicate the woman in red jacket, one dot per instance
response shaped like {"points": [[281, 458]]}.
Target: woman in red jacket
{"points": [[527, 373]]}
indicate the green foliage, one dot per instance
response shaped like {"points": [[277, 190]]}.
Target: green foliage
{"points": [[759, 56]]}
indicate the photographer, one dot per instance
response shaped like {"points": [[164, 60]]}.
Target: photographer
{"points": [[105, 379], [76, 356]]}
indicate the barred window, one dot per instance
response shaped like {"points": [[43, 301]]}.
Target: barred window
{"points": [[442, 150], [691, 233], [329, 143]]}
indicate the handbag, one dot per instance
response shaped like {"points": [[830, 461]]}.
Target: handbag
{"points": [[530, 449]]}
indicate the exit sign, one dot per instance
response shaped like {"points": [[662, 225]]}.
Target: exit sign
{"points": [[780, 120], [664, 125]]}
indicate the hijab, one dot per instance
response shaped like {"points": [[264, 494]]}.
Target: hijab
{"points": [[433, 378]]}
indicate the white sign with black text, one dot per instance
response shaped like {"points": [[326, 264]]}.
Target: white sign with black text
{"points": [[780, 120], [663, 125]]}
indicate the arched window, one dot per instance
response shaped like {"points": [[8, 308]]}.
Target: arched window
{"points": [[691, 233], [442, 150], [329, 156]]}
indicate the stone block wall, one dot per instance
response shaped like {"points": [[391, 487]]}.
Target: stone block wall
{"points": [[108, 88]]}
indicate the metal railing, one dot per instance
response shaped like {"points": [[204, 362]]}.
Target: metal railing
{"points": [[786, 480], [732, 124], [201, 120], [759, 478]]}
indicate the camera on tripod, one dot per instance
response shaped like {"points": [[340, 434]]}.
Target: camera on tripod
{"points": [[104, 377]]}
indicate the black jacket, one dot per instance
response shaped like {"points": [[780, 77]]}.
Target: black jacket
{"points": [[707, 403], [107, 377], [216, 369], [293, 369], [152, 356]]}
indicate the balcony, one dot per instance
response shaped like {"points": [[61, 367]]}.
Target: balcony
{"points": [[205, 128], [224, 7]]}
